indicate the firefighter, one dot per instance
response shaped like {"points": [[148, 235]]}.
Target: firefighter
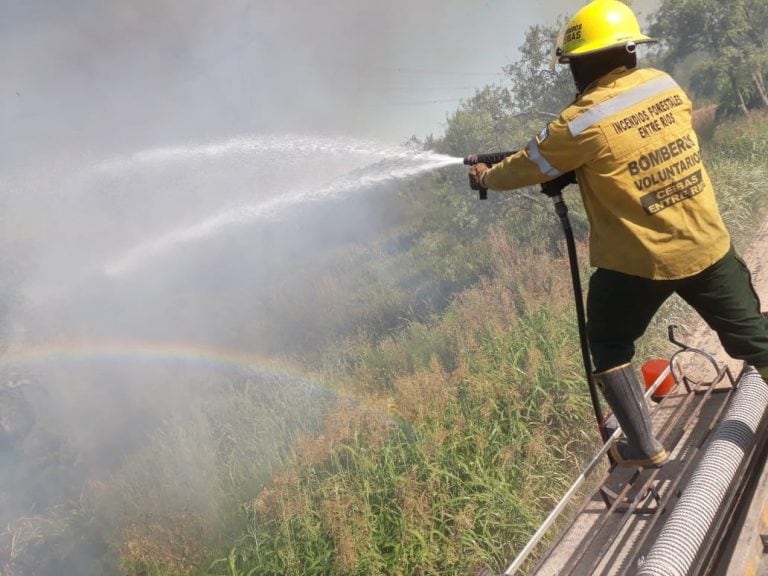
{"points": [[655, 228]]}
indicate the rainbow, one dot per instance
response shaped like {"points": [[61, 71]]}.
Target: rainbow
{"points": [[171, 353]]}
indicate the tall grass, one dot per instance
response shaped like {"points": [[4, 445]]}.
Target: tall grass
{"points": [[443, 470], [177, 498], [457, 425], [481, 419], [738, 163]]}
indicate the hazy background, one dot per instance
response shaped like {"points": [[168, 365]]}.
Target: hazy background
{"points": [[101, 76], [108, 111]]}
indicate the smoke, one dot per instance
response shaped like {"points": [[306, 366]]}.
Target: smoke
{"points": [[126, 76], [174, 381], [123, 77], [147, 402]]}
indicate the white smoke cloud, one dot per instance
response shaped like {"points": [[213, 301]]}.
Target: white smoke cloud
{"points": [[119, 121]]}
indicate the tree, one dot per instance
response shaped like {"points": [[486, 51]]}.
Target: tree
{"points": [[499, 117], [480, 124], [730, 39], [540, 86]]}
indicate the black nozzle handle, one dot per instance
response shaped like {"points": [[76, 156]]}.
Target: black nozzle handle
{"points": [[490, 160], [555, 187]]}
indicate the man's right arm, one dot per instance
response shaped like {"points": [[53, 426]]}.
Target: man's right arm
{"points": [[551, 153]]}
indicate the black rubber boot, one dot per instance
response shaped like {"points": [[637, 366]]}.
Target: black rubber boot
{"points": [[622, 391]]}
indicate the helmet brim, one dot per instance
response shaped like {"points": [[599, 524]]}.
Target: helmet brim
{"points": [[595, 47]]}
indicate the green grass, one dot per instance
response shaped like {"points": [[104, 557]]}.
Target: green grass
{"points": [[459, 421], [492, 412], [444, 470]]}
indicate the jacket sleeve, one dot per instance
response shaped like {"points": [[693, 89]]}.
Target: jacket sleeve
{"points": [[549, 154]]}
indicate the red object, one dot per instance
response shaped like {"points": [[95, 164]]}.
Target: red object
{"points": [[651, 370]]}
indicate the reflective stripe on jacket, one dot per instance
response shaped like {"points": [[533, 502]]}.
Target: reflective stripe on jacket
{"points": [[649, 200]]}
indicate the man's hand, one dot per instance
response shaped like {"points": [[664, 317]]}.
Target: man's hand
{"points": [[476, 172]]}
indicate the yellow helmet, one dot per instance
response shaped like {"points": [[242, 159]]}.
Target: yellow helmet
{"points": [[599, 25]]}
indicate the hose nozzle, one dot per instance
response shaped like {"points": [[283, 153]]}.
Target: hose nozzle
{"points": [[490, 160]]}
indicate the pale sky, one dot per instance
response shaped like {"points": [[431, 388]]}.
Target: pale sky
{"points": [[120, 76]]}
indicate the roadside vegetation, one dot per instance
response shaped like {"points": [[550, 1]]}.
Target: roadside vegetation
{"points": [[474, 422], [458, 413]]}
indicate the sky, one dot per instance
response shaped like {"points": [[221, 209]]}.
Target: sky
{"points": [[95, 76]]}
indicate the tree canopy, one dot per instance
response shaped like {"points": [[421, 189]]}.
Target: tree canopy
{"points": [[504, 117], [724, 42]]}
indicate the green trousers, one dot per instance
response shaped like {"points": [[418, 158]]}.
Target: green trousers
{"points": [[620, 307]]}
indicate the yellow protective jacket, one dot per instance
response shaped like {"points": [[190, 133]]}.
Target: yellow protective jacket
{"points": [[649, 200]]}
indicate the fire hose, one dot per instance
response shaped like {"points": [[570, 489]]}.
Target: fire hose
{"points": [[554, 190]]}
